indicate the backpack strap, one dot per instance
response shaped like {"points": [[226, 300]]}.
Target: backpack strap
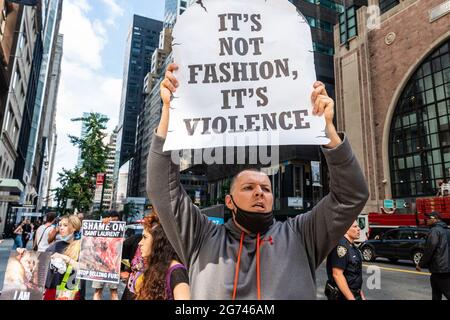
{"points": [[169, 291], [42, 235]]}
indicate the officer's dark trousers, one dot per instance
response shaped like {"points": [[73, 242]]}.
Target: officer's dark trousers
{"points": [[440, 285]]}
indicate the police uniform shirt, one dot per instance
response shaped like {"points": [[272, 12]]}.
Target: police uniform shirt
{"points": [[347, 257]]}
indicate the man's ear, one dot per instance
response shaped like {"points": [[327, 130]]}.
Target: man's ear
{"points": [[228, 202]]}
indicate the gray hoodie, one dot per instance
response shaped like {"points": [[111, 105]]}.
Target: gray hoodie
{"points": [[222, 260]]}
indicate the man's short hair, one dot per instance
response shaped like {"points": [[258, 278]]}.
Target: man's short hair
{"points": [[233, 181], [50, 216], [113, 214]]}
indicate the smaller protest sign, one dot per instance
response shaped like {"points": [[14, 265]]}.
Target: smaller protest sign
{"points": [[101, 251], [25, 276]]}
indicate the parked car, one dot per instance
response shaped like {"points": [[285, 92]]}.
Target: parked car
{"points": [[133, 229], [402, 243]]}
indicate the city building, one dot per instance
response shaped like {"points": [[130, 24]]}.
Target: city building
{"points": [[149, 116], [10, 25], [108, 191], [322, 15], [47, 142], [21, 50], [393, 96], [141, 43], [120, 191], [30, 147], [82, 135], [173, 9]]}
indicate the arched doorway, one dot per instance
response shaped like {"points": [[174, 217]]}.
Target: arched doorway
{"points": [[419, 139]]}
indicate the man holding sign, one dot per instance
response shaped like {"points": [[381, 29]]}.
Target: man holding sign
{"points": [[253, 256]]}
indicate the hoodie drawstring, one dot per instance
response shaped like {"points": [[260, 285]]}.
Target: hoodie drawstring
{"points": [[236, 275], [258, 268]]}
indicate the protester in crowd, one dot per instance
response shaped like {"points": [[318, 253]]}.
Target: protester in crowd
{"points": [[54, 234], [164, 277], [242, 255], [26, 234], [110, 216], [436, 256], [41, 239], [344, 268], [80, 216], [18, 231], [132, 265], [61, 281]]}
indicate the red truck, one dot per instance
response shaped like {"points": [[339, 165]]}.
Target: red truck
{"points": [[381, 221]]}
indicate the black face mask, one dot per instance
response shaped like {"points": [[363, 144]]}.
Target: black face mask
{"points": [[254, 222]]}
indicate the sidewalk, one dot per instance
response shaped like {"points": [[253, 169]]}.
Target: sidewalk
{"points": [[6, 244]]}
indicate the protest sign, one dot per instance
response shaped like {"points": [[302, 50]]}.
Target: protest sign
{"points": [[101, 251], [246, 73], [25, 276]]}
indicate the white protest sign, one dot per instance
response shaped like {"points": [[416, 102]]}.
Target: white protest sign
{"points": [[246, 73]]}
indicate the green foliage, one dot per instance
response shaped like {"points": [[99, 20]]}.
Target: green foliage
{"points": [[79, 183]]}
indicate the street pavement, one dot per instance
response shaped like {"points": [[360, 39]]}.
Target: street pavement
{"points": [[383, 280]]}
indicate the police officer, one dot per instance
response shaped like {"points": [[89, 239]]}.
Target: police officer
{"points": [[344, 268]]}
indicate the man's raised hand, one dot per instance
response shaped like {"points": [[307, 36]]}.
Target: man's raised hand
{"points": [[168, 87], [324, 105], [169, 84]]}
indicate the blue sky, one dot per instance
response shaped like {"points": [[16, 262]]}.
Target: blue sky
{"points": [[95, 34]]}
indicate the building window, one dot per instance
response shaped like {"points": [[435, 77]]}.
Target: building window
{"points": [[323, 49], [320, 24], [23, 40], [311, 21], [419, 142], [16, 78], [327, 4], [8, 118], [15, 133], [347, 24], [330, 4], [386, 5]]}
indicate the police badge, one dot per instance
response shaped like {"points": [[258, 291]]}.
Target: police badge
{"points": [[341, 251]]}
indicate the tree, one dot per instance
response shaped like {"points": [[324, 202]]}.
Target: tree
{"points": [[93, 152], [79, 183], [76, 186]]}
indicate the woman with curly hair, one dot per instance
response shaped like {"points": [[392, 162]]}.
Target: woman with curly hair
{"points": [[164, 277]]}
